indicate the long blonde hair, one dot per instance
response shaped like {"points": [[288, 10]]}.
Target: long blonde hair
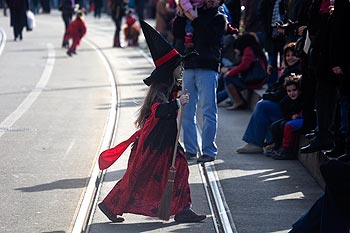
{"points": [[158, 92]]}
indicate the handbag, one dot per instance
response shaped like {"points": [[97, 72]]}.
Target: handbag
{"points": [[255, 74], [30, 21]]}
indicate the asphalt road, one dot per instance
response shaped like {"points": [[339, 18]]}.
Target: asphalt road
{"points": [[54, 110]]}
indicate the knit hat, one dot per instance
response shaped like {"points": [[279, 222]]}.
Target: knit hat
{"points": [[130, 19], [165, 57]]}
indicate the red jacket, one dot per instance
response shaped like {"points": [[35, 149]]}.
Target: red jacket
{"points": [[248, 57], [77, 28]]}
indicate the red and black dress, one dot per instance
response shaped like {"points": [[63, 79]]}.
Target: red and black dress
{"points": [[139, 191]]}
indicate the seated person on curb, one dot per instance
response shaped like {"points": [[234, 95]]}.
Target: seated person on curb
{"points": [[249, 49], [284, 130], [331, 212], [268, 110], [131, 30]]}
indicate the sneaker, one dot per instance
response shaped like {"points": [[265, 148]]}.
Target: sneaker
{"points": [[69, 53], [205, 158], [65, 44], [190, 156], [249, 149], [109, 214], [188, 216], [268, 149], [272, 153]]}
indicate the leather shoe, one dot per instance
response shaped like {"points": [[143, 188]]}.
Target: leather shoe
{"points": [[188, 216], [310, 135], [336, 152], [205, 158], [316, 145], [109, 214]]}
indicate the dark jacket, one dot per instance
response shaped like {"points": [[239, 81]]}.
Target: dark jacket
{"points": [[277, 91], [336, 174], [339, 46], [208, 30], [18, 14], [66, 7], [290, 107]]}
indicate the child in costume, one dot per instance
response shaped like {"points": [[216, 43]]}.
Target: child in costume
{"points": [[284, 130], [131, 30], [189, 9], [141, 188], [75, 31]]}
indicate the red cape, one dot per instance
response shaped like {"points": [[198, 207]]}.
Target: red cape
{"points": [[140, 189]]}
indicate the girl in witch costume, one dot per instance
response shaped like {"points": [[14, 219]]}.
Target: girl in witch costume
{"points": [[141, 188]]}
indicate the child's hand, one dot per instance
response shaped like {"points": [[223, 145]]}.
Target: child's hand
{"points": [[189, 15], [184, 99], [295, 116]]}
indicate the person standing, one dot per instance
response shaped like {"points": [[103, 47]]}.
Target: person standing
{"points": [[272, 12], [327, 81], [140, 6], [98, 8], [67, 8], [18, 16], [201, 78], [117, 13], [46, 6], [164, 16], [3, 4], [252, 22], [140, 189], [339, 56]]}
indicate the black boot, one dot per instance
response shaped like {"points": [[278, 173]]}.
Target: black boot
{"points": [[109, 214], [116, 42], [317, 144], [338, 150]]}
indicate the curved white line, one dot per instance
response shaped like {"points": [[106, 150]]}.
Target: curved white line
{"points": [[2, 39], [33, 95]]}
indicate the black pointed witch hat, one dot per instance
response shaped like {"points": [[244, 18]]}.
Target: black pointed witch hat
{"points": [[165, 57]]}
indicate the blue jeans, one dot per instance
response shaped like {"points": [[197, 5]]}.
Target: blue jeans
{"points": [[265, 113], [201, 84]]}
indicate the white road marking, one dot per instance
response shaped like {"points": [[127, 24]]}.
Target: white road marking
{"points": [[2, 39], [33, 95]]}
